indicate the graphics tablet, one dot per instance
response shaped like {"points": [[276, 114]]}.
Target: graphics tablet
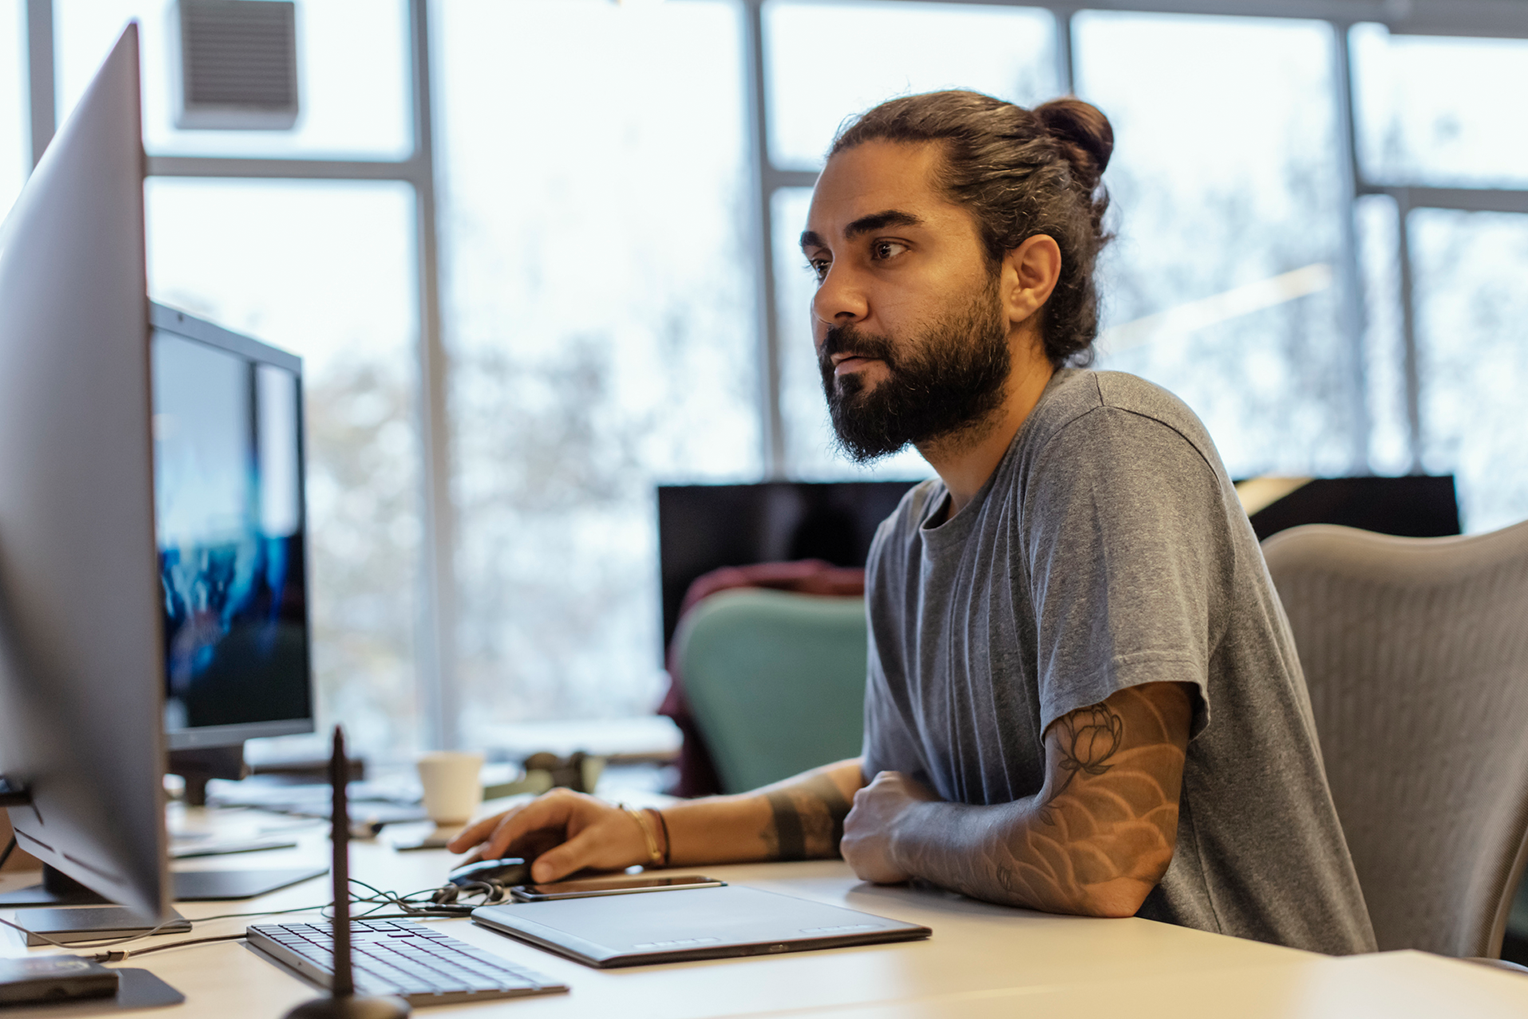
{"points": [[700, 923]]}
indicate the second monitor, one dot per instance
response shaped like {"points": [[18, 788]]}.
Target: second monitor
{"points": [[230, 534]]}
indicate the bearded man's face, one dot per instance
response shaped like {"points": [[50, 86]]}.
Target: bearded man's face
{"points": [[911, 332], [946, 378]]}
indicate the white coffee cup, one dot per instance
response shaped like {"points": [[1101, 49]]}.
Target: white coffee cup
{"points": [[453, 785]]}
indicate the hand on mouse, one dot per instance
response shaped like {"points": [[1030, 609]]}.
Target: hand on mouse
{"points": [[564, 831]]}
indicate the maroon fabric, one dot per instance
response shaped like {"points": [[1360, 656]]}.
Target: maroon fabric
{"points": [[697, 772]]}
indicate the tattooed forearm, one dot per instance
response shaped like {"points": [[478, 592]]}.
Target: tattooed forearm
{"points": [[807, 820], [1102, 832]]}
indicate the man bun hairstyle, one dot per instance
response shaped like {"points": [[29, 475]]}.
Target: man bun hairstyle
{"points": [[1021, 173]]}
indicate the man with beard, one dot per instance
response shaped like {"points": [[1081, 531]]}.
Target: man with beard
{"points": [[1082, 693]]}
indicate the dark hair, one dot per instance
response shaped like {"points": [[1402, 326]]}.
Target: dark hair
{"points": [[1021, 173]]}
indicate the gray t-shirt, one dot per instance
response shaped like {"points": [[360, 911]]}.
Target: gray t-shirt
{"points": [[1107, 550]]}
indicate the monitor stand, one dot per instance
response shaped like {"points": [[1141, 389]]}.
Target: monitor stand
{"points": [[59, 889], [201, 765]]}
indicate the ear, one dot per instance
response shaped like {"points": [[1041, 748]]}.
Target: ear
{"points": [[1029, 275]]}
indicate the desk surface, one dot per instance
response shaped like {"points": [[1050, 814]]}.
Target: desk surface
{"points": [[982, 961]]}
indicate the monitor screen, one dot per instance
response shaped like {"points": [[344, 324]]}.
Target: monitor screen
{"points": [[703, 527], [229, 526]]}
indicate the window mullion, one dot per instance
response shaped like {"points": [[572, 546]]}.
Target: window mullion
{"points": [[41, 89]]}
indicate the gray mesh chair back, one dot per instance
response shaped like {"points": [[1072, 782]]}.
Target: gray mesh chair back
{"points": [[1416, 654]]}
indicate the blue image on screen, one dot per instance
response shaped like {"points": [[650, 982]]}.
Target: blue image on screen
{"points": [[229, 520]]}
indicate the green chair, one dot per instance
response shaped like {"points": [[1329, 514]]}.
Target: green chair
{"points": [[775, 680]]}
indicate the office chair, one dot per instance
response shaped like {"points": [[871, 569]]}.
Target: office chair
{"points": [[1415, 651], [775, 680]]}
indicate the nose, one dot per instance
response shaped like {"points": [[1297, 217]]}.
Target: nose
{"points": [[839, 300]]}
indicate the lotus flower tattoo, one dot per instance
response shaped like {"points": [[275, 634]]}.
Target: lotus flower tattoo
{"points": [[1087, 737]]}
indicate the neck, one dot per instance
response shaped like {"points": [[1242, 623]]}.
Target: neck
{"points": [[966, 460]]}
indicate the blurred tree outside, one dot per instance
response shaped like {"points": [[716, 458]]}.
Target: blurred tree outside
{"points": [[1219, 188], [363, 540]]}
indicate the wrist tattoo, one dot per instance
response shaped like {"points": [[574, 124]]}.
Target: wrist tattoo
{"points": [[807, 820]]}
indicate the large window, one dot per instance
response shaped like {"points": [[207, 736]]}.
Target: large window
{"points": [[1437, 119], [1472, 332], [325, 270], [1327, 270], [1441, 111], [1223, 282], [599, 301]]}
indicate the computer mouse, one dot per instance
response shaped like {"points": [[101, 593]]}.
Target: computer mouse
{"points": [[511, 870]]}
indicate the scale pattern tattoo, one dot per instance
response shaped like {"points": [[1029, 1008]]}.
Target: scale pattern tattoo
{"points": [[1112, 818], [1102, 832], [807, 820]]}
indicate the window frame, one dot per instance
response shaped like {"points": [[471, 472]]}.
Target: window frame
{"points": [[438, 694]]}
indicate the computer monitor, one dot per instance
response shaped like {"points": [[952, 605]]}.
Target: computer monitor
{"points": [[704, 527], [105, 606], [230, 526], [81, 655]]}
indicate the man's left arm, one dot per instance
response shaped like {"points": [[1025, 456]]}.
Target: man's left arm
{"points": [[1094, 841]]}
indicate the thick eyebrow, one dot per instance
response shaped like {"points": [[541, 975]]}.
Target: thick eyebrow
{"points": [[864, 225], [879, 221]]}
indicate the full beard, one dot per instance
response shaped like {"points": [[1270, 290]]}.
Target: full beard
{"points": [[942, 389]]}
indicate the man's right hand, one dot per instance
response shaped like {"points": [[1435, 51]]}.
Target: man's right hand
{"points": [[563, 831]]}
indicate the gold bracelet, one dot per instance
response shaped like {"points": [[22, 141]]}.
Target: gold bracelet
{"points": [[655, 858]]}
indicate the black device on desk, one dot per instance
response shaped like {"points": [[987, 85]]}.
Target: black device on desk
{"points": [[386, 960], [54, 978], [84, 657], [503, 872]]}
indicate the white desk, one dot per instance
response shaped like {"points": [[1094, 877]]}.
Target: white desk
{"points": [[982, 961]]}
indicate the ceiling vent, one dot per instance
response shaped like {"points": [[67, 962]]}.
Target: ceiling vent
{"points": [[237, 65]]}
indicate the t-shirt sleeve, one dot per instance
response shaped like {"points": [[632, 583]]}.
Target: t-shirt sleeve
{"points": [[1129, 546]]}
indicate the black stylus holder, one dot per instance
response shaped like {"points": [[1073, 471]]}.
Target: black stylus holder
{"points": [[343, 1003]]}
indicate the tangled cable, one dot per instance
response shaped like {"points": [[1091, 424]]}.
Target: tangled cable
{"points": [[446, 901]]}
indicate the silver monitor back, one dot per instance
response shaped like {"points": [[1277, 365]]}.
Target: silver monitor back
{"points": [[81, 663]]}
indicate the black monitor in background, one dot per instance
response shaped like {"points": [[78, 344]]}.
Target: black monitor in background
{"points": [[1411, 506], [230, 529], [704, 527]]}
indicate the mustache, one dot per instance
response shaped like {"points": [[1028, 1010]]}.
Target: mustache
{"points": [[849, 340]]}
